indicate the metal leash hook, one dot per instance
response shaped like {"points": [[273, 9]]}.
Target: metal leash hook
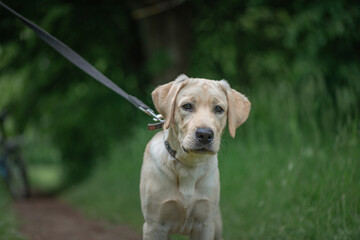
{"points": [[156, 117]]}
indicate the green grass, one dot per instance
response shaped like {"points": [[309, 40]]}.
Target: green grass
{"points": [[8, 224], [113, 190], [272, 188], [276, 191], [292, 172]]}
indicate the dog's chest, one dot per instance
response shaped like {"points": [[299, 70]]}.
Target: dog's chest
{"points": [[191, 206], [187, 181]]}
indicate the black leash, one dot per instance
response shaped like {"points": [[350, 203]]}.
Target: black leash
{"points": [[81, 63]]}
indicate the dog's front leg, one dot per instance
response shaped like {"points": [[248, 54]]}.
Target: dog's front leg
{"points": [[155, 231], [203, 231]]}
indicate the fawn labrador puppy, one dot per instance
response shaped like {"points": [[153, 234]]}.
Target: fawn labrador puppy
{"points": [[180, 184]]}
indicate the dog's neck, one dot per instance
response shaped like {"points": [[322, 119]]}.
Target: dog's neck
{"points": [[175, 150], [171, 151], [171, 143]]}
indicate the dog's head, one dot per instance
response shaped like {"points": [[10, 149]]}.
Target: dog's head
{"points": [[196, 111]]}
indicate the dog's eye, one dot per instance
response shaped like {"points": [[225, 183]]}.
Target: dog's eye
{"points": [[187, 107], [218, 109]]}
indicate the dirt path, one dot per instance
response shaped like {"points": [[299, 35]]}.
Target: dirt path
{"points": [[52, 219]]}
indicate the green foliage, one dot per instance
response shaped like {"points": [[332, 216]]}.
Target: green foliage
{"points": [[308, 45], [45, 92]]}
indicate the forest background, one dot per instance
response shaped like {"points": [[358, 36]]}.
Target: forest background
{"points": [[293, 171]]}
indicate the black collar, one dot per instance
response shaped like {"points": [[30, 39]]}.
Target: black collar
{"points": [[171, 151]]}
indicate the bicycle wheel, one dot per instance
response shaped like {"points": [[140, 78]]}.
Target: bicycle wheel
{"points": [[17, 179]]}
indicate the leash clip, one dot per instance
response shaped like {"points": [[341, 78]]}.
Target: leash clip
{"points": [[158, 118]]}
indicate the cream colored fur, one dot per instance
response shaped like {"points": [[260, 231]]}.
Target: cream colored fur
{"points": [[181, 194]]}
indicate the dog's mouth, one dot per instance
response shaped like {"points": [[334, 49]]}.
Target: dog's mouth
{"points": [[201, 150]]}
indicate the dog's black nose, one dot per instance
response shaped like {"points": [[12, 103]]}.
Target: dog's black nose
{"points": [[204, 135]]}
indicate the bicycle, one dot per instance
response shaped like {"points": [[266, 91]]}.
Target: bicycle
{"points": [[12, 166]]}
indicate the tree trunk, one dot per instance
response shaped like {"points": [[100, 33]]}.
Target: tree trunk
{"points": [[165, 30]]}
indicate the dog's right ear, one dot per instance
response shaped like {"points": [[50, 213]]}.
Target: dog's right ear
{"points": [[164, 98]]}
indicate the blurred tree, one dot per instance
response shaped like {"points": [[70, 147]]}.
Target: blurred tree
{"points": [[308, 45], [165, 32], [46, 91]]}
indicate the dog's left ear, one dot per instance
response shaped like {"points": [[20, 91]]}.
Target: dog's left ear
{"points": [[164, 98], [238, 107]]}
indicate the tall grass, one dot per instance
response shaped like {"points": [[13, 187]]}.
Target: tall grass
{"points": [[293, 172]]}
